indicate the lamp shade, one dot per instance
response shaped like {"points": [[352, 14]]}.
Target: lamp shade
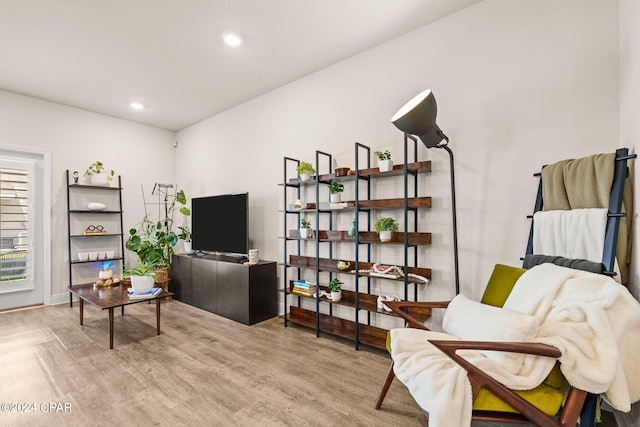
{"points": [[418, 117]]}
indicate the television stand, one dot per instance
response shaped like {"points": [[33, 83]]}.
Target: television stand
{"points": [[220, 284]]}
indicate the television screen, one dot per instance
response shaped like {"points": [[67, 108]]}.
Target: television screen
{"points": [[221, 223]]}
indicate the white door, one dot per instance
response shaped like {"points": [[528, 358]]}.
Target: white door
{"points": [[23, 246]]}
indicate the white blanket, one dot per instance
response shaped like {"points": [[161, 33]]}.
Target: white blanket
{"points": [[593, 320], [574, 234]]}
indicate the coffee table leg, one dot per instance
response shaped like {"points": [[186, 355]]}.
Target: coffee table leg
{"points": [[123, 310], [110, 328], [158, 315], [81, 311]]}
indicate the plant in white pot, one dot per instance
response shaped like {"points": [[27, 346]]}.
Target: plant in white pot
{"points": [[335, 189], [305, 229], [98, 174], [185, 235], [386, 226], [106, 272], [385, 164], [305, 170], [142, 277], [335, 286]]}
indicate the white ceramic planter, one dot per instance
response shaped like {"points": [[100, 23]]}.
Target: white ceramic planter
{"points": [[385, 235], [187, 248], [142, 284], [305, 176], [385, 165], [105, 274], [305, 233], [101, 179], [335, 198], [336, 296]]}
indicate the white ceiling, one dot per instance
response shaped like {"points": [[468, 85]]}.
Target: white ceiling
{"points": [[100, 55]]}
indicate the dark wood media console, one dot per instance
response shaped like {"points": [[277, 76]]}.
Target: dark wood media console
{"points": [[247, 294]]}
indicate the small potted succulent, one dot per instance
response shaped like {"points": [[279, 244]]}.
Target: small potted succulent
{"points": [[106, 272], [335, 188], [75, 177], [305, 170], [98, 177], [335, 286], [385, 164], [386, 226], [185, 236], [142, 277], [305, 229]]}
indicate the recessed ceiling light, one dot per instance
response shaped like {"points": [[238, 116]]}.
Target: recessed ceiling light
{"points": [[233, 40], [137, 105]]}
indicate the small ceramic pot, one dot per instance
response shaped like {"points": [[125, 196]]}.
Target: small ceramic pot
{"points": [[335, 198], [385, 235], [336, 296], [385, 165], [105, 274], [305, 176], [305, 233]]}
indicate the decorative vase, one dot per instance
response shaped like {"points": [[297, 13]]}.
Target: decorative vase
{"points": [[105, 274], [352, 229], [385, 235], [334, 198], [305, 176], [141, 284], [101, 179], [385, 165], [187, 248], [305, 233], [336, 296]]}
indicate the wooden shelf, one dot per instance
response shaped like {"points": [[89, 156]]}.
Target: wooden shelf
{"points": [[330, 265], [94, 187], [363, 205], [369, 335], [415, 239], [366, 302], [95, 235], [419, 167], [86, 211]]}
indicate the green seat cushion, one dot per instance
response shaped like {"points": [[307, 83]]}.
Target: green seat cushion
{"points": [[500, 284], [546, 397]]}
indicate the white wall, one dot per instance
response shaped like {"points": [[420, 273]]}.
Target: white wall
{"points": [[76, 138], [518, 84], [630, 107]]}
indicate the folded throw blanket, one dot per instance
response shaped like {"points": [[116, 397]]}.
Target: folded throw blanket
{"points": [[593, 320], [576, 234]]}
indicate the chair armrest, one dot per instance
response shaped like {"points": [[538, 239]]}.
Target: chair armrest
{"points": [[398, 308], [479, 378]]}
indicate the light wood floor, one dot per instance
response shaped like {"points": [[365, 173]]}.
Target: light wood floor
{"points": [[203, 370]]}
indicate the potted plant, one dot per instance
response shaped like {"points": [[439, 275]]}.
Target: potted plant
{"points": [[335, 188], [153, 241], [305, 229], [106, 272], [75, 177], [335, 286], [185, 235], [142, 277], [385, 164], [386, 226], [98, 177], [305, 170]]}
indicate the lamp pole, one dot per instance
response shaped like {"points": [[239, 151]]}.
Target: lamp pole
{"points": [[453, 214]]}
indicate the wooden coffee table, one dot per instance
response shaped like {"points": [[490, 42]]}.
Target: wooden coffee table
{"points": [[108, 298]]}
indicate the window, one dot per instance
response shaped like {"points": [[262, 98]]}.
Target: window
{"points": [[16, 271]]}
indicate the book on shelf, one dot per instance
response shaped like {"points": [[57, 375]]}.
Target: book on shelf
{"points": [[392, 275], [304, 292], [336, 205], [154, 292], [304, 283]]}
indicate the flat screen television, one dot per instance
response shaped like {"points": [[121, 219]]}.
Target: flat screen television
{"points": [[221, 223]]}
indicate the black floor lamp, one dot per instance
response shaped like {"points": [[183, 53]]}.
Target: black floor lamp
{"points": [[418, 117]]}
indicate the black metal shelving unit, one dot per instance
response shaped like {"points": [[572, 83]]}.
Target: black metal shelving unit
{"points": [[73, 261], [360, 330]]}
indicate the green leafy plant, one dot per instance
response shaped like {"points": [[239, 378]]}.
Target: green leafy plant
{"points": [[304, 223], [97, 167], [335, 285], [383, 155], [153, 241], [305, 167], [185, 233], [143, 269], [335, 187], [386, 224]]}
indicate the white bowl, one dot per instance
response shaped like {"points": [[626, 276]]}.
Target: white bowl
{"points": [[93, 256], [83, 256], [95, 206]]}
